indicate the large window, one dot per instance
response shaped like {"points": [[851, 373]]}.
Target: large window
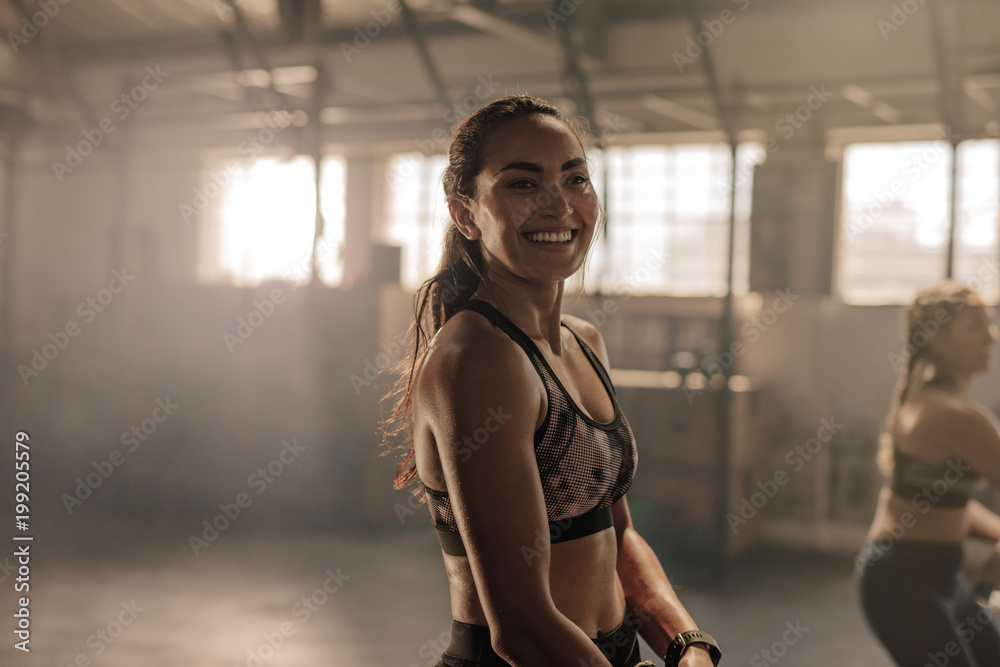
{"points": [[418, 215], [978, 195], [668, 218], [262, 223], [894, 228]]}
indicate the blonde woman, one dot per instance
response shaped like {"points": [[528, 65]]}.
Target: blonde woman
{"points": [[939, 447]]}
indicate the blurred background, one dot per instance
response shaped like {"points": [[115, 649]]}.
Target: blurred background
{"points": [[213, 216]]}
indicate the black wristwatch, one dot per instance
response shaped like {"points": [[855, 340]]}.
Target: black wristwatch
{"points": [[677, 647]]}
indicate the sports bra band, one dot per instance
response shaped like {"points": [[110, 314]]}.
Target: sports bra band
{"points": [[948, 484], [562, 530]]}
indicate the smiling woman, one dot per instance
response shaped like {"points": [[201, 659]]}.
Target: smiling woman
{"points": [[544, 565]]}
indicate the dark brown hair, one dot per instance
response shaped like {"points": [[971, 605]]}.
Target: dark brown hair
{"points": [[930, 314], [461, 270]]}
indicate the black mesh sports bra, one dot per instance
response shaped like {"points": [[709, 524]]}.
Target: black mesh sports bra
{"points": [[585, 466]]}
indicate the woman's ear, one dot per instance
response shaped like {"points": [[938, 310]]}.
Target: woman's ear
{"points": [[463, 218]]}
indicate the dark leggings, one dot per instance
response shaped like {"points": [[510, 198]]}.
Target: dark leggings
{"points": [[470, 647], [915, 603]]}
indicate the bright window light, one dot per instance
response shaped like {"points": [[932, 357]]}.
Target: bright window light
{"points": [[266, 224], [668, 219], [978, 216], [418, 215], [894, 225]]}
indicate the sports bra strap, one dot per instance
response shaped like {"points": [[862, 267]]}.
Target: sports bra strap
{"points": [[594, 361], [490, 312]]}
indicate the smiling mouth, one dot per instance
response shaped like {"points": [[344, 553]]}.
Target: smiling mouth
{"points": [[551, 237]]}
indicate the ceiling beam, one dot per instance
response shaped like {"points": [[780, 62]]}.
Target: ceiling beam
{"points": [[674, 111], [575, 78], [492, 24], [278, 99], [864, 99], [725, 110], [977, 93], [416, 34]]}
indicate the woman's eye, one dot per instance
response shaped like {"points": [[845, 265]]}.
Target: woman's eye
{"points": [[579, 179], [523, 183]]}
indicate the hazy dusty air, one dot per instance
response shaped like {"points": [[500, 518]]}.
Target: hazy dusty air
{"points": [[214, 215]]}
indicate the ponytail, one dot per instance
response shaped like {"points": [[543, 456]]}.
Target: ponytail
{"points": [[441, 296], [905, 387]]}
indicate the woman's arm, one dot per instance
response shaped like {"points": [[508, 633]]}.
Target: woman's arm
{"points": [[983, 522], [497, 496], [650, 598]]}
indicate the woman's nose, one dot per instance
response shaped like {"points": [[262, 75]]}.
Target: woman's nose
{"points": [[553, 202]]}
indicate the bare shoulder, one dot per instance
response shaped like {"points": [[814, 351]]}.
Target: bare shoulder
{"points": [[974, 418], [585, 329], [966, 429], [953, 418], [985, 413], [938, 405], [470, 362], [590, 334]]}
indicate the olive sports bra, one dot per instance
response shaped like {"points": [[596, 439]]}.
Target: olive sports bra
{"points": [[948, 484], [585, 466]]}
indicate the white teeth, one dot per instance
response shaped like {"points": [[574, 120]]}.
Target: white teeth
{"points": [[550, 237]]}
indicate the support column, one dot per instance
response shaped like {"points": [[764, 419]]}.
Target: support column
{"points": [[359, 214]]}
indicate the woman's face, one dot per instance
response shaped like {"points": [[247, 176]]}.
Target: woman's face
{"points": [[966, 344], [535, 209]]}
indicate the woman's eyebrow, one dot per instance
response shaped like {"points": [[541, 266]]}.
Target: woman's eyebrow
{"points": [[535, 167]]}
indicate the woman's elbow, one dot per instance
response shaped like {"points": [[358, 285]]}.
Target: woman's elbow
{"points": [[519, 638], [516, 645]]}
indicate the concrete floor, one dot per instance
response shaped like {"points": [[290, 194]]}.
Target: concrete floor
{"points": [[231, 604]]}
